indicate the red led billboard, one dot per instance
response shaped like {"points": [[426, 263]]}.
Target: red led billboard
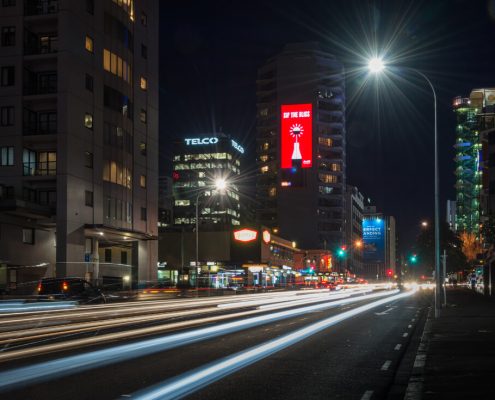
{"points": [[296, 135]]}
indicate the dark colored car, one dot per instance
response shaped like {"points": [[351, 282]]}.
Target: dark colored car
{"points": [[74, 289]]}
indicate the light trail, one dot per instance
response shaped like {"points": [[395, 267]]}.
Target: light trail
{"points": [[58, 368], [21, 307], [38, 335], [190, 382]]}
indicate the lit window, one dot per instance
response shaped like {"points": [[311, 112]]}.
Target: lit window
{"points": [[264, 158], [182, 203], [89, 44], [106, 60], [335, 167], [6, 156], [264, 169], [142, 181], [327, 178], [266, 146], [88, 121], [143, 116], [143, 83], [272, 192]]}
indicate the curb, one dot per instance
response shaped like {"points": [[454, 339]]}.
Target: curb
{"points": [[414, 390]]}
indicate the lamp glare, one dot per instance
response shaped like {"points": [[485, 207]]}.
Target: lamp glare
{"points": [[376, 65]]}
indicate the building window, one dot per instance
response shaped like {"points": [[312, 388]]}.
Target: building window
{"points": [[47, 163], [6, 156], [8, 3], [88, 198], [88, 159], [116, 65], [28, 235], [7, 76], [272, 192], [88, 44], [325, 141], [142, 148], [90, 6], [266, 146], [327, 178], [7, 116], [88, 120], [143, 83], [335, 167], [8, 36], [143, 214], [89, 82], [264, 169], [144, 19], [182, 203], [144, 51], [143, 116], [108, 255], [142, 181]]}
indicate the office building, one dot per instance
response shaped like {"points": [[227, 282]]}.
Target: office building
{"points": [[354, 229], [451, 207], [79, 139], [379, 244], [165, 202], [301, 146], [198, 161]]}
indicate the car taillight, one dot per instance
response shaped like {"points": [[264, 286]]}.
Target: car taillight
{"points": [[39, 287], [65, 286]]}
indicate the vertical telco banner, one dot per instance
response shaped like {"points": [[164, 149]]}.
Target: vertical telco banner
{"points": [[296, 136]]}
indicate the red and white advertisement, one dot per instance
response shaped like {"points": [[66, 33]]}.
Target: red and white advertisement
{"points": [[296, 135]]}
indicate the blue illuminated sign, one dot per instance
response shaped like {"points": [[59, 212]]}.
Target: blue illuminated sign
{"points": [[374, 240]]}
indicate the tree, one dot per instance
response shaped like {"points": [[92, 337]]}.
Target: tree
{"points": [[471, 246], [449, 241]]}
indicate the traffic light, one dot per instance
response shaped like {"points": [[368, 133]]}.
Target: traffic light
{"points": [[341, 252], [413, 258], [390, 273]]}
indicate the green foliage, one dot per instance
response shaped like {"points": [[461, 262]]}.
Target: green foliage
{"points": [[449, 241]]}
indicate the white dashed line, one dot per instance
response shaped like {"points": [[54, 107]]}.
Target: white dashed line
{"points": [[405, 334], [367, 395], [397, 347], [385, 365]]}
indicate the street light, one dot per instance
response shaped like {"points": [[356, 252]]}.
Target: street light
{"points": [[220, 185], [424, 224], [376, 65]]}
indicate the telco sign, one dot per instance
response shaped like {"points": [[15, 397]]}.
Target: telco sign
{"points": [[211, 140], [296, 135], [374, 240], [206, 140]]}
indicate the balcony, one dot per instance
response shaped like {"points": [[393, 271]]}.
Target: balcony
{"points": [[40, 168], [40, 7], [38, 83], [36, 44], [39, 123]]}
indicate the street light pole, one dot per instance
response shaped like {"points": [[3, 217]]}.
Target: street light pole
{"points": [[376, 65], [438, 277], [197, 238]]}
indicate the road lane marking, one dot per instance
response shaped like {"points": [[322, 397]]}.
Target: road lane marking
{"points": [[397, 347], [385, 365], [191, 381], [405, 334], [367, 395], [419, 361]]}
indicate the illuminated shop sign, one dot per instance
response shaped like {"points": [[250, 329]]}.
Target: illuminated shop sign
{"points": [[245, 235], [200, 141], [238, 147], [296, 136], [266, 236]]}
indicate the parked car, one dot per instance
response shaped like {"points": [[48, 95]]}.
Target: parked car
{"points": [[75, 289]]}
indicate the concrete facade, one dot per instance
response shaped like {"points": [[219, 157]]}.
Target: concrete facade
{"points": [[84, 174]]}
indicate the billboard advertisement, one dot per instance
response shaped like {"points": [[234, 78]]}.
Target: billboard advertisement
{"points": [[374, 240], [296, 136]]}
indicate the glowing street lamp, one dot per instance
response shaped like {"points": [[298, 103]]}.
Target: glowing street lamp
{"points": [[424, 224], [376, 65]]}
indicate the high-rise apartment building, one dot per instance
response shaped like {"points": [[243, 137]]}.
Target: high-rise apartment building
{"points": [[79, 138], [198, 162], [301, 146]]}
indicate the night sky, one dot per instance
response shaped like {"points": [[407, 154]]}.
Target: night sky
{"points": [[210, 52]]}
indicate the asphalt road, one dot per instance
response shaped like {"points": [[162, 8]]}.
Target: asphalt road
{"points": [[356, 358]]}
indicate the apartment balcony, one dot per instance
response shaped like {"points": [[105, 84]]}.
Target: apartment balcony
{"points": [[40, 7], [40, 44], [41, 83], [40, 168]]}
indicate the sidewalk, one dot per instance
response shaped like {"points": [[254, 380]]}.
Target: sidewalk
{"points": [[460, 348]]}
